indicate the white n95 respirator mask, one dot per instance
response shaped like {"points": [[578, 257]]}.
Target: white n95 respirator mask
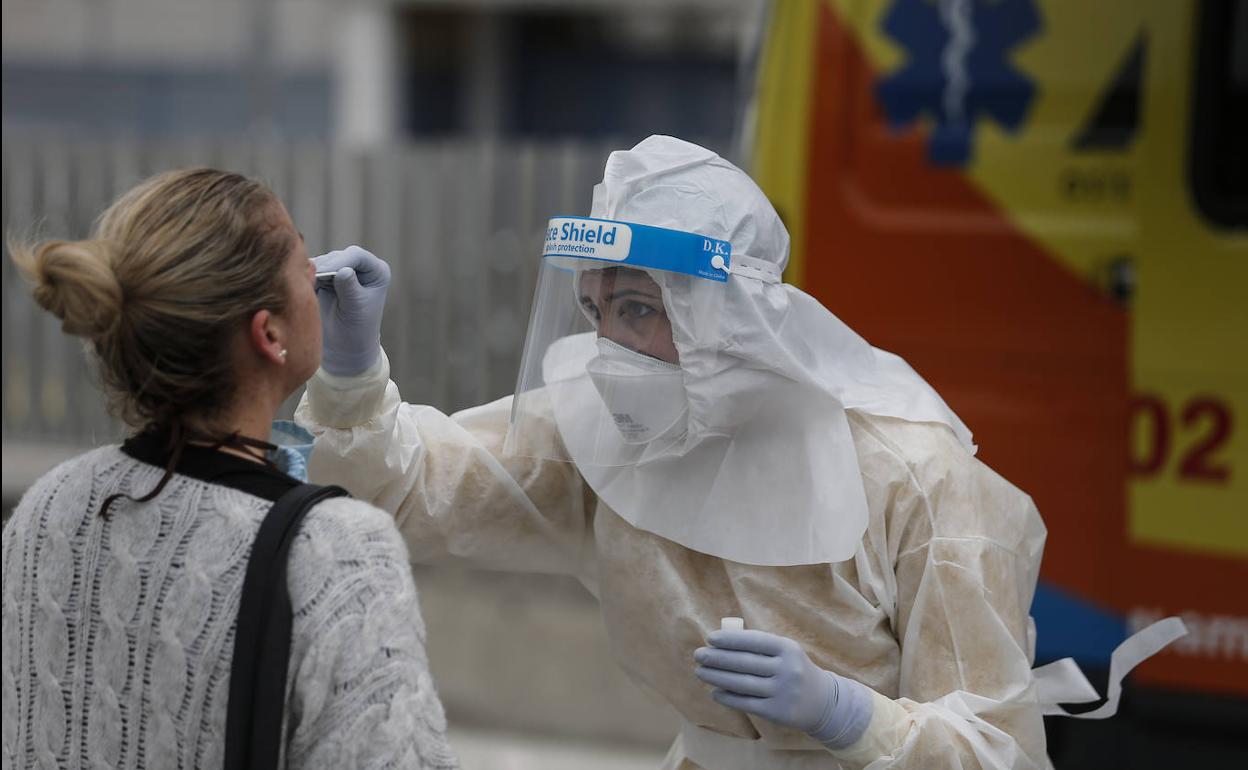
{"points": [[645, 396]]}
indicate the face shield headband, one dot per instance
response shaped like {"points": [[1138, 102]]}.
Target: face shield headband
{"points": [[572, 240]]}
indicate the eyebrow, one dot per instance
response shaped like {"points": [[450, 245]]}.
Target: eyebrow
{"points": [[613, 296]]}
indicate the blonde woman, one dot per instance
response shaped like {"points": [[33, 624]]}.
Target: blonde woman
{"points": [[124, 567]]}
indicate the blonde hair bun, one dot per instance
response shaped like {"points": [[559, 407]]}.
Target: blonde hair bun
{"points": [[74, 281], [199, 252]]}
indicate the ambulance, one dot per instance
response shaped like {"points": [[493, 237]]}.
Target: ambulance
{"points": [[1043, 207]]}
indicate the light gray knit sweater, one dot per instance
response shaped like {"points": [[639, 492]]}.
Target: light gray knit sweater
{"points": [[118, 633]]}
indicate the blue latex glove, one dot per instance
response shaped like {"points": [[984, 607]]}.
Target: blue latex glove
{"points": [[351, 308], [771, 676]]}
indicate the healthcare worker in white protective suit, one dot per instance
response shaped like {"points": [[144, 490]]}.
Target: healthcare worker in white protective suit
{"points": [[693, 439]]}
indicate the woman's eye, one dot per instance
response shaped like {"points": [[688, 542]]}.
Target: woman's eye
{"points": [[592, 309], [634, 310]]}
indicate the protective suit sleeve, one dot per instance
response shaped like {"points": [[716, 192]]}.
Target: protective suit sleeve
{"points": [[968, 549], [453, 495]]}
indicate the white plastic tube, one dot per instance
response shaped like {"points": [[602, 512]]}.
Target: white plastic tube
{"points": [[732, 624]]}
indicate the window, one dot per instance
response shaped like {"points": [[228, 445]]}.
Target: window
{"points": [[1219, 137]]}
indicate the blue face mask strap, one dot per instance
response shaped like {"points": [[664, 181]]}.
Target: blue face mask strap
{"points": [[753, 267]]}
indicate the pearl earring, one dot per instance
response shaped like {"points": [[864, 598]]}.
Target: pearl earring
{"points": [[283, 353]]}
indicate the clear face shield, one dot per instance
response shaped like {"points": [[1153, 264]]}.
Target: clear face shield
{"points": [[621, 316]]}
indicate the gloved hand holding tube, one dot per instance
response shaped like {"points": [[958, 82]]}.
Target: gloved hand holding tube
{"points": [[771, 676], [352, 300]]}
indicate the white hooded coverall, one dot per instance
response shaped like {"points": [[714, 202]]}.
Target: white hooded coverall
{"points": [[931, 612], [931, 609]]}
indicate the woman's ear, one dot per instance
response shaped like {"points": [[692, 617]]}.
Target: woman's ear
{"points": [[265, 338]]}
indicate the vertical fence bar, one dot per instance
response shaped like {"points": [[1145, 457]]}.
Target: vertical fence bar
{"points": [[479, 237], [441, 361], [16, 399], [49, 351], [383, 226], [424, 304], [308, 196], [92, 193]]}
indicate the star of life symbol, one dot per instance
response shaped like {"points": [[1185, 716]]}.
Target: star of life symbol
{"points": [[958, 69]]}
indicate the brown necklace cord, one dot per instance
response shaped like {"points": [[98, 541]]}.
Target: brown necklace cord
{"points": [[247, 444], [179, 437]]}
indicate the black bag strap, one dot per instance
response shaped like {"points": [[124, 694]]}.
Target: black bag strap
{"points": [[257, 700]]}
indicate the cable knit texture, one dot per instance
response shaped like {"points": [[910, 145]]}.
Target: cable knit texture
{"points": [[118, 633]]}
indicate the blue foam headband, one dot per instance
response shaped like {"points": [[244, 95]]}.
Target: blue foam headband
{"points": [[633, 245]]}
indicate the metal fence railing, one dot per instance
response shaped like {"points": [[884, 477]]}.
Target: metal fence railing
{"points": [[459, 222]]}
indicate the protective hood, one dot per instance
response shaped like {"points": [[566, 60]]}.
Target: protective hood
{"points": [[764, 469]]}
